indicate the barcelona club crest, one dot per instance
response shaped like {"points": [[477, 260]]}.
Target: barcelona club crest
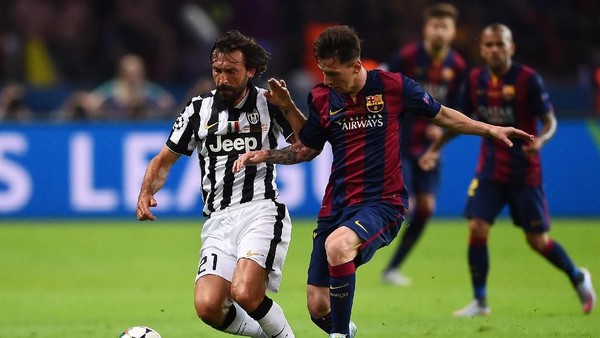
{"points": [[374, 103], [508, 92]]}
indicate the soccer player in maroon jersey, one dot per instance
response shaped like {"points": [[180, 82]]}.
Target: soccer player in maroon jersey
{"points": [[440, 70], [360, 114], [507, 93]]}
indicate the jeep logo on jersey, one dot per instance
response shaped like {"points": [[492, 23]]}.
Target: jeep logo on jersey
{"points": [[232, 143], [253, 117]]}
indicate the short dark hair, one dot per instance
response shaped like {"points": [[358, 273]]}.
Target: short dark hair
{"points": [[498, 27], [440, 10], [339, 42], [256, 57]]}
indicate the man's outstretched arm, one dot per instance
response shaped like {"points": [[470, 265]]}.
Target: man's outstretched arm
{"points": [[459, 123], [291, 154]]}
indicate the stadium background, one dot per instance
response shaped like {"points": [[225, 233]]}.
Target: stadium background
{"points": [[75, 262], [50, 166]]}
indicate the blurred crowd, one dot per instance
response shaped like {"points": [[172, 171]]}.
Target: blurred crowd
{"points": [[143, 59]]}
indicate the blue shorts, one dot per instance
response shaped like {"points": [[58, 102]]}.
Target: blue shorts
{"points": [[417, 180], [527, 205], [377, 224]]}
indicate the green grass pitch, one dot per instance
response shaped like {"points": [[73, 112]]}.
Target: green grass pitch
{"points": [[94, 278]]}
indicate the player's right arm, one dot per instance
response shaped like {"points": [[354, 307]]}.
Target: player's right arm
{"points": [[154, 179]]}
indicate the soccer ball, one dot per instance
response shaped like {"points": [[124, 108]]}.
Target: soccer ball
{"points": [[139, 332]]}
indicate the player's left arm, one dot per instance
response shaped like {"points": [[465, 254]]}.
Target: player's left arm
{"points": [[292, 154], [549, 126], [280, 96], [459, 123]]}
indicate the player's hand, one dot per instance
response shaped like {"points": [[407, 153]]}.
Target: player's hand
{"points": [[504, 134], [434, 132], [249, 158], [533, 147], [279, 95], [429, 160], [144, 203]]}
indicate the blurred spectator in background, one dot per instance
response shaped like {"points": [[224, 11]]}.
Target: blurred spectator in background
{"points": [[12, 104], [128, 96], [75, 43], [46, 43], [71, 45], [139, 27], [26, 52]]}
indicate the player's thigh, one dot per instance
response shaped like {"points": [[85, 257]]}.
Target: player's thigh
{"points": [[263, 237], [318, 269], [377, 224], [214, 261], [485, 200], [426, 182], [529, 209]]}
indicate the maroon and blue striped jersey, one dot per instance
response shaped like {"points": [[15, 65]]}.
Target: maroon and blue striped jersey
{"points": [[365, 138], [516, 99], [443, 79]]}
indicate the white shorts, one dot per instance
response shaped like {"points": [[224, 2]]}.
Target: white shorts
{"points": [[257, 230]]}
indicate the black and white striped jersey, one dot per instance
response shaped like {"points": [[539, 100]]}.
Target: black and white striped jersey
{"points": [[220, 135]]}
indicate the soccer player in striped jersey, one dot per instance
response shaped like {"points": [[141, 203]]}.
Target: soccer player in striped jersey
{"points": [[507, 93], [440, 70], [360, 114], [246, 236]]}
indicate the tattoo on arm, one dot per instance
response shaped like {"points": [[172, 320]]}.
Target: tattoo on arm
{"points": [[292, 154]]}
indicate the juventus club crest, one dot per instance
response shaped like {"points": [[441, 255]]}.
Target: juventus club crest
{"points": [[374, 103], [253, 117]]}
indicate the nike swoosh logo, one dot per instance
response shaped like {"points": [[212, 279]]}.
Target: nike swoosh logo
{"points": [[333, 112], [211, 125], [252, 253], [331, 287], [360, 225]]}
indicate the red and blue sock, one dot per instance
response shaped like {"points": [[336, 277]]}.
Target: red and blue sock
{"points": [[479, 265], [342, 281]]}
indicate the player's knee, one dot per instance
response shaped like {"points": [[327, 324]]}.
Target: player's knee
{"points": [[537, 242], [209, 311], [337, 249], [424, 212], [478, 228], [317, 306], [249, 298]]}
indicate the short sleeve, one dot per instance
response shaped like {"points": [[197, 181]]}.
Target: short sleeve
{"points": [[313, 133], [417, 101]]}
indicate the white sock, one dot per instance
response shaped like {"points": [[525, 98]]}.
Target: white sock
{"points": [[244, 325], [274, 323]]}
